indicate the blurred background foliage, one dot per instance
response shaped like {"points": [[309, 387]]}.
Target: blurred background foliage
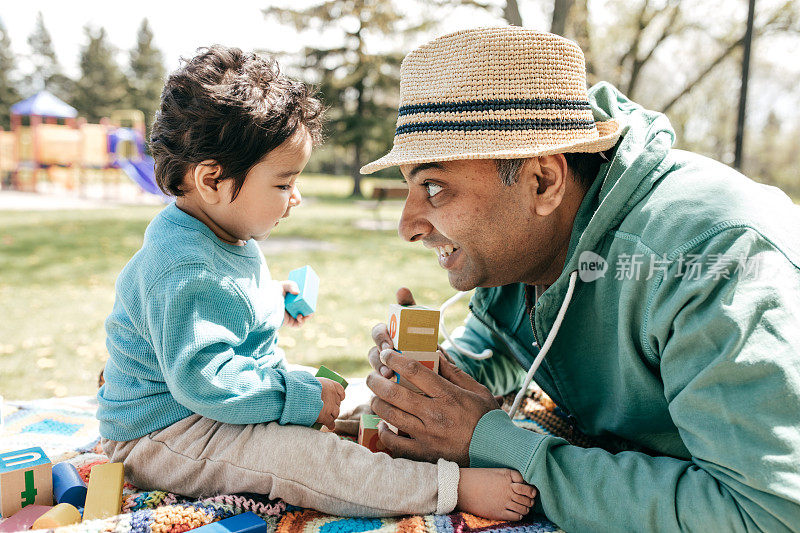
{"points": [[679, 57]]}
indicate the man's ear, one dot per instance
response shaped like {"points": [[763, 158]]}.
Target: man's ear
{"points": [[547, 178], [205, 178]]}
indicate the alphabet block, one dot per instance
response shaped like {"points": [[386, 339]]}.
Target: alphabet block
{"points": [[305, 302], [241, 523], [368, 433], [68, 485], [104, 495], [62, 514], [428, 359], [25, 479], [325, 372], [24, 519], [414, 328]]}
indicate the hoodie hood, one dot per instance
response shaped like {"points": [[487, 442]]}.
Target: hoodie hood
{"points": [[639, 161]]}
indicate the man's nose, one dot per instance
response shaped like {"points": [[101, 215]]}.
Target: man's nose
{"points": [[414, 225]]}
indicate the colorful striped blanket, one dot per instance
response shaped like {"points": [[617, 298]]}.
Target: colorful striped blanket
{"points": [[68, 431]]}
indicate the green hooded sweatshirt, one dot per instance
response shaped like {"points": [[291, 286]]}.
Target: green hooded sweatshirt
{"points": [[699, 365]]}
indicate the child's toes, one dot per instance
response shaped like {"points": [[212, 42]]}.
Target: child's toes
{"points": [[524, 489], [516, 477], [520, 509], [522, 500], [510, 516]]}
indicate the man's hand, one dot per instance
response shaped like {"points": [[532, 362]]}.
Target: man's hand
{"points": [[383, 341], [332, 396], [290, 287], [439, 423]]}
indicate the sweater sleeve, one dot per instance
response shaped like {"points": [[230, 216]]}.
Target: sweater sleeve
{"points": [[500, 373], [730, 365], [198, 324]]}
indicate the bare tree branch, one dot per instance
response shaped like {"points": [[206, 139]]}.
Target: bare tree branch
{"points": [[561, 9]]}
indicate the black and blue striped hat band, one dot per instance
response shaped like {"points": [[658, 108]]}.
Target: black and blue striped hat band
{"points": [[494, 93]]}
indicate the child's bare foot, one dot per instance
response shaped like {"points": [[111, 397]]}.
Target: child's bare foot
{"points": [[495, 493]]}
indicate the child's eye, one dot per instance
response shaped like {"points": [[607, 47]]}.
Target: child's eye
{"points": [[285, 187], [432, 189]]}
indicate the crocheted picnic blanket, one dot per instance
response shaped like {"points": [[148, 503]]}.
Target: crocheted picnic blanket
{"points": [[68, 431]]}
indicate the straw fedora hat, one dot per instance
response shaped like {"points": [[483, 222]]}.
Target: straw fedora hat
{"points": [[494, 93]]}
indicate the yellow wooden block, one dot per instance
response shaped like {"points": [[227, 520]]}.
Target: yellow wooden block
{"points": [[429, 360], [26, 478], [104, 495], [414, 328], [62, 514]]}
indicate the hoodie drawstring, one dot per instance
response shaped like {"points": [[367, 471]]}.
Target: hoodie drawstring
{"points": [[546, 346], [486, 354]]}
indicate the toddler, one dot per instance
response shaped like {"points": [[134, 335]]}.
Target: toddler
{"points": [[197, 398]]}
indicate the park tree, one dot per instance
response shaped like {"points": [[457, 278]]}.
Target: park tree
{"points": [[102, 86], [9, 94], [47, 73], [146, 73], [358, 86]]}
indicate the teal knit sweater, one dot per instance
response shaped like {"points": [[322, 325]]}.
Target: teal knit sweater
{"points": [[194, 330]]}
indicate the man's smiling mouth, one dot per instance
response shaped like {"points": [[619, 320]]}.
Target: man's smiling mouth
{"points": [[445, 251]]}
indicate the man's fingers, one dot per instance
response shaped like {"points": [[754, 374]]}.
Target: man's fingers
{"points": [[404, 296], [394, 400], [400, 419], [400, 446], [381, 337], [375, 362], [414, 371]]}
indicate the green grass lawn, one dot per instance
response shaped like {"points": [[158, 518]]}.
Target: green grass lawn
{"points": [[57, 273]]}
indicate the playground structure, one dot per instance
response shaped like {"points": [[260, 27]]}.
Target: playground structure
{"points": [[47, 135]]}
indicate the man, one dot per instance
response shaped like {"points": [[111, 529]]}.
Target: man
{"points": [[681, 334]]}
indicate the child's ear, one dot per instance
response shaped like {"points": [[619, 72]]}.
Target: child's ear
{"points": [[205, 178]]}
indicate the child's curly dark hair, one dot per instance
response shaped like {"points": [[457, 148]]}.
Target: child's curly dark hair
{"points": [[229, 107]]}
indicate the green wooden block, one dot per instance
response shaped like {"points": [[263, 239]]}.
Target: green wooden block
{"points": [[325, 372], [369, 421]]}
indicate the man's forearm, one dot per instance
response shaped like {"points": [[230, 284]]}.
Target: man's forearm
{"points": [[593, 490]]}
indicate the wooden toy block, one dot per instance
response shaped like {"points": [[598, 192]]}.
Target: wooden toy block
{"points": [[68, 485], [368, 433], [25, 479], [241, 523], [305, 302], [414, 328], [325, 372], [104, 495], [428, 359], [24, 519], [62, 514]]}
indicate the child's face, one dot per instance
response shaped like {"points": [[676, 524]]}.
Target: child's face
{"points": [[269, 191]]}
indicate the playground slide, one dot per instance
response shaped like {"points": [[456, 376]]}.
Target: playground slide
{"points": [[142, 172]]}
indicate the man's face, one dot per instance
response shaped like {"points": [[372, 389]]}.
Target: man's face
{"points": [[485, 233]]}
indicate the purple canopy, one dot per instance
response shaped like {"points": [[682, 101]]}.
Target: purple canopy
{"points": [[44, 104]]}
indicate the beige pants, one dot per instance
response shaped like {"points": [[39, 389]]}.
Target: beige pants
{"points": [[200, 457]]}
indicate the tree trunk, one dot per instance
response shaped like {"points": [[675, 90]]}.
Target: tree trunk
{"points": [[748, 39], [560, 14], [579, 30], [511, 13], [355, 171]]}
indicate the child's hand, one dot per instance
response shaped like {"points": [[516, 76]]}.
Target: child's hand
{"points": [[332, 396], [290, 287]]}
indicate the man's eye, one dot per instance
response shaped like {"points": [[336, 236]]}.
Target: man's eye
{"points": [[432, 189]]}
